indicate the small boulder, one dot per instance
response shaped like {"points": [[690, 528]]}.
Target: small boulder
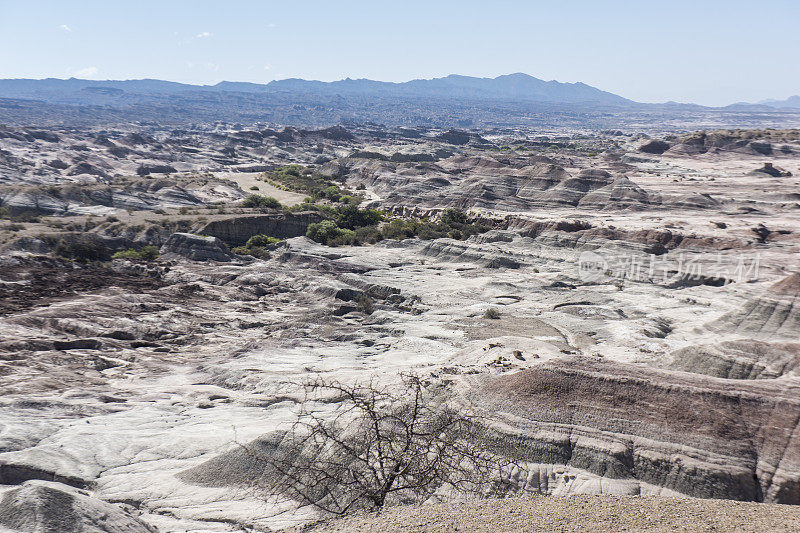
{"points": [[145, 170], [654, 147], [78, 344], [196, 248], [57, 164], [86, 168], [771, 170]]}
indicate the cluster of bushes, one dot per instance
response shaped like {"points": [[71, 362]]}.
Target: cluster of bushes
{"points": [[328, 233], [257, 246], [261, 202], [147, 253], [353, 226], [305, 180], [364, 154], [350, 225], [89, 247], [82, 248], [21, 217], [452, 223]]}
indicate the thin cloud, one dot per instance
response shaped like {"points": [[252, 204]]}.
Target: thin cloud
{"points": [[203, 65], [87, 72], [203, 35], [64, 27]]}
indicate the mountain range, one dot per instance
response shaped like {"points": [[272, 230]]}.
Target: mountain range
{"points": [[511, 100], [517, 87]]}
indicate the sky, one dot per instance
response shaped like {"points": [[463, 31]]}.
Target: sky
{"points": [[710, 52]]}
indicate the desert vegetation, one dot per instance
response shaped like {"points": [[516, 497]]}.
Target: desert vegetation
{"points": [[380, 446], [351, 225], [257, 246]]}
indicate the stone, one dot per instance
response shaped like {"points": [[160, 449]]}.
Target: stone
{"points": [[47, 506], [196, 248]]}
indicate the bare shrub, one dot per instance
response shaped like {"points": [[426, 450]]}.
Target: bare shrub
{"points": [[380, 446]]}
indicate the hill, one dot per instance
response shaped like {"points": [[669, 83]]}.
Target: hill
{"points": [[791, 102], [519, 86]]}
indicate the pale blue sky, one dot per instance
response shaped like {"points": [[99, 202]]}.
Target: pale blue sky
{"points": [[712, 52]]}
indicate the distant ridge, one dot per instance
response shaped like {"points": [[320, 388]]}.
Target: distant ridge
{"points": [[462, 102], [516, 87], [521, 87], [792, 102]]}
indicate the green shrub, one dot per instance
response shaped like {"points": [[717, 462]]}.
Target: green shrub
{"points": [[351, 217], [399, 229], [331, 192], [405, 229], [261, 202], [327, 232], [430, 231], [344, 237], [81, 248], [26, 217], [261, 241], [368, 235], [451, 217], [148, 253], [351, 200], [292, 170], [255, 251]]}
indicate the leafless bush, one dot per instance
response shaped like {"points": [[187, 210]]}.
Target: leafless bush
{"points": [[380, 446]]}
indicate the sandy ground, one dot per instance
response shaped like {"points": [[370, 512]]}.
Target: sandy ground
{"points": [[577, 513], [246, 180]]}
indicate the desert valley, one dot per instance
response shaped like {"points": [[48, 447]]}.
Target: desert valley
{"points": [[620, 308]]}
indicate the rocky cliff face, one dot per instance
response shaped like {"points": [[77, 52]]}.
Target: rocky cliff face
{"points": [[695, 435], [195, 247], [236, 230]]}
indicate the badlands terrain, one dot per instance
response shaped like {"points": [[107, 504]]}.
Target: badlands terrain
{"points": [[622, 310]]}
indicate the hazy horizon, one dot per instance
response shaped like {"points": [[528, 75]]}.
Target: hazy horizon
{"points": [[690, 53]]}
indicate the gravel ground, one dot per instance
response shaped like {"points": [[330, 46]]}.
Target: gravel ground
{"points": [[576, 513]]}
